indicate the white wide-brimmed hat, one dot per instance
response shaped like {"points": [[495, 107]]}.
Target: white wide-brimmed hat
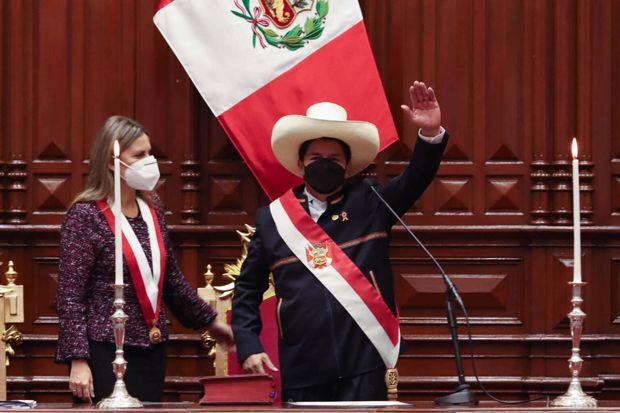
{"points": [[324, 120]]}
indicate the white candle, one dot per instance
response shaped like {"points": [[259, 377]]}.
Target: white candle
{"points": [[118, 238], [576, 217]]}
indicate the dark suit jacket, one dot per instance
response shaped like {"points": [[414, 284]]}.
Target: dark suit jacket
{"points": [[318, 340]]}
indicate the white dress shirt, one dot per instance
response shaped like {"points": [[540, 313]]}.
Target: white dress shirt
{"points": [[315, 206]]}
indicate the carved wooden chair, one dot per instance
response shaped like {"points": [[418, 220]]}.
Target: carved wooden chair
{"points": [[11, 311], [219, 295]]}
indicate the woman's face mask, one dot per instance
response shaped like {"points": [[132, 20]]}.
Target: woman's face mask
{"points": [[142, 175]]}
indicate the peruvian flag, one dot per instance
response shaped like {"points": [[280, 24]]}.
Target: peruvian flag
{"points": [[254, 61]]}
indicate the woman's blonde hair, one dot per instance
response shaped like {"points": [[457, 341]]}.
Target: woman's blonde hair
{"points": [[100, 182]]}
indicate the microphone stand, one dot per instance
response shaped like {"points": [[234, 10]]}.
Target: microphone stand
{"points": [[463, 394]]}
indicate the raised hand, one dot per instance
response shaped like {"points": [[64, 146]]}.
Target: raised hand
{"points": [[424, 111]]}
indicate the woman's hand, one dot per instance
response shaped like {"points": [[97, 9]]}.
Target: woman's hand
{"points": [[222, 333], [424, 111], [81, 380]]}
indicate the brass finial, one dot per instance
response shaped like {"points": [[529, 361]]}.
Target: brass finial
{"points": [[208, 342], [12, 337], [208, 275], [11, 274]]}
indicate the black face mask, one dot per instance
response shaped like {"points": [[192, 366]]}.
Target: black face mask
{"points": [[324, 175]]}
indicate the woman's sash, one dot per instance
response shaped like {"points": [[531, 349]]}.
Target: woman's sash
{"points": [[148, 280]]}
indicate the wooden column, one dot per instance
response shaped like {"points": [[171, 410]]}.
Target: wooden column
{"points": [[2, 190]]}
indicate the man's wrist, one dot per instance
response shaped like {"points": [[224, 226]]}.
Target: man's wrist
{"points": [[430, 133], [434, 139]]}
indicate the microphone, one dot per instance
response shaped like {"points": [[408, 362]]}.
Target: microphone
{"points": [[449, 284]]}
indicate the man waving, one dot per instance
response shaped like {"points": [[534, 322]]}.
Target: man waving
{"points": [[326, 243]]}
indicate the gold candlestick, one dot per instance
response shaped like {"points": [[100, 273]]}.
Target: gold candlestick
{"points": [[120, 398], [575, 396]]}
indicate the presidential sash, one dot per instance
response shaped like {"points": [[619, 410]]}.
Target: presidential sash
{"points": [[147, 279], [339, 274]]}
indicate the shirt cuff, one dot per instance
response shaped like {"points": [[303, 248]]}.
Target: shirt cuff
{"points": [[433, 139]]}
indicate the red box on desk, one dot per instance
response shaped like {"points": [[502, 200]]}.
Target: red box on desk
{"points": [[239, 389]]}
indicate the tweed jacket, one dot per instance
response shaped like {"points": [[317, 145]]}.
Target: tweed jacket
{"points": [[318, 340], [85, 296]]}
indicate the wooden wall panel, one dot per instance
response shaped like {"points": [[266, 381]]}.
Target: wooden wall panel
{"points": [[490, 285], [516, 79]]}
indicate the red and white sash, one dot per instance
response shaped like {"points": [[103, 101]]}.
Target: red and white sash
{"points": [[148, 283], [339, 274]]}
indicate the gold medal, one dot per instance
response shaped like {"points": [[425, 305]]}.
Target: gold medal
{"points": [[155, 335]]}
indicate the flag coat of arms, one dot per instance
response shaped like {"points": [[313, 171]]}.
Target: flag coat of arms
{"points": [[254, 61]]}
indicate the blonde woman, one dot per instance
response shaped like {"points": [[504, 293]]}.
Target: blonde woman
{"points": [[86, 271]]}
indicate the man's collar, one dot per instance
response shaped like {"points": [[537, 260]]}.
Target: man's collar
{"points": [[336, 197], [299, 193], [311, 198], [333, 199]]}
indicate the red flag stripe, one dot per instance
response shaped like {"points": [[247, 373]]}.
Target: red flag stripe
{"points": [[356, 87], [162, 4]]}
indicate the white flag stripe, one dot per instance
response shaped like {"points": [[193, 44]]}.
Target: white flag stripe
{"points": [[338, 287], [202, 34]]}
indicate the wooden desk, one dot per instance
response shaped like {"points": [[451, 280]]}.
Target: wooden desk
{"points": [[418, 407]]}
